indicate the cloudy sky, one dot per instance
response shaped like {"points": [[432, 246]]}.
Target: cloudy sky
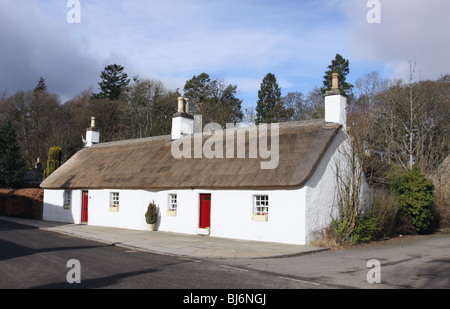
{"points": [[239, 41]]}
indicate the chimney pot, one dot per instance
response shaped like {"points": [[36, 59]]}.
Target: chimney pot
{"points": [[183, 105], [180, 104], [335, 81], [186, 106]]}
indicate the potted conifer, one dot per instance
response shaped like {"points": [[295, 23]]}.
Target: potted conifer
{"points": [[151, 216]]}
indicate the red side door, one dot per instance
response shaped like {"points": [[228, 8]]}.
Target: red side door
{"points": [[84, 207], [205, 210]]}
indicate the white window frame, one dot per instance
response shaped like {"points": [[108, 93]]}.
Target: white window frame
{"points": [[114, 202], [67, 199], [261, 205], [173, 202]]}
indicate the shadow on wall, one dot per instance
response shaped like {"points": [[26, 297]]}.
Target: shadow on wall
{"points": [[57, 214], [22, 203]]}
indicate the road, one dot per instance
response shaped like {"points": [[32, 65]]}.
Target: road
{"points": [[33, 258], [417, 262]]}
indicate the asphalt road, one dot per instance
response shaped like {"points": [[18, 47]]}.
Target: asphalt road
{"points": [[33, 258], [413, 262], [37, 259]]}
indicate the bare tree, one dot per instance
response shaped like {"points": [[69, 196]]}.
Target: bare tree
{"points": [[249, 116], [149, 108], [411, 122], [351, 194], [303, 107]]}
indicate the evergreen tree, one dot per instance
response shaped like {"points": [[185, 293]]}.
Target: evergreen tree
{"points": [[41, 85], [54, 160], [213, 99], [415, 196], [341, 66], [114, 80], [12, 165], [270, 107], [198, 90]]}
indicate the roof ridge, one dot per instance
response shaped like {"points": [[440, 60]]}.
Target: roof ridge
{"points": [[132, 141], [286, 124]]}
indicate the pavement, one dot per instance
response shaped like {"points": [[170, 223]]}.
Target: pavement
{"points": [[189, 246]]}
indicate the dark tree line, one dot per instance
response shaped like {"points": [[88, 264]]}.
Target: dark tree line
{"points": [[124, 109]]}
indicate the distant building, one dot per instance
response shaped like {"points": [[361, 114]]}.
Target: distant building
{"points": [[33, 178]]}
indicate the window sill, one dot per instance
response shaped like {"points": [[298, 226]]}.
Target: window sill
{"points": [[261, 218], [171, 213]]}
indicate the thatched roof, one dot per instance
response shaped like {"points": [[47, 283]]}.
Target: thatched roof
{"points": [[148, 163]]}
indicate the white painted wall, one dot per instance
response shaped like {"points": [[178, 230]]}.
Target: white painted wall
{"points": [[92, 137], [130, 205], [182, 126], [321, 189], [231, 212], [232, 216], [335, 109], [188, 211], [54, 207]]}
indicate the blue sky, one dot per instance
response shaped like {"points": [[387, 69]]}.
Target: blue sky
{"points": [[239, 41]]}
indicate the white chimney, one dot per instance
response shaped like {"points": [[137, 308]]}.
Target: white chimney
{"points": [[336, 103], [92, 134], [182, 121]]}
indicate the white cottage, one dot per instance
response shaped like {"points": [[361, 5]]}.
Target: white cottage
{"points": [[221, 183]]}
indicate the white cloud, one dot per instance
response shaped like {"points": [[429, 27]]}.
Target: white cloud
{"points": [[236, 40], [173, 40], [409, 29]]}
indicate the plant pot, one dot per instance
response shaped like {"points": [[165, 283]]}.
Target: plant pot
{"points": [[150, 227]]}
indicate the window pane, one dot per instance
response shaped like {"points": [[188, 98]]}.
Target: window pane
{"points": [[115, 198], [261, 206], [172, 202], [67, 198]]}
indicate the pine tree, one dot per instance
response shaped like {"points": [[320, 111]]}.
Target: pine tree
{"points": [[114, 80], [213, 99], [12, 165], [341, 66], [270, 107], [198, 90], [41, 85]]}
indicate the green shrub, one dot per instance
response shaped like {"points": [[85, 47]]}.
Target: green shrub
{"points": [[365, 228], [151, 216], [342, 229], [415, 196], [368, 228]]}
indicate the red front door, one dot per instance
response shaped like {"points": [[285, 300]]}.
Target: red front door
{"points": [[84, 207], [205, 210]]}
